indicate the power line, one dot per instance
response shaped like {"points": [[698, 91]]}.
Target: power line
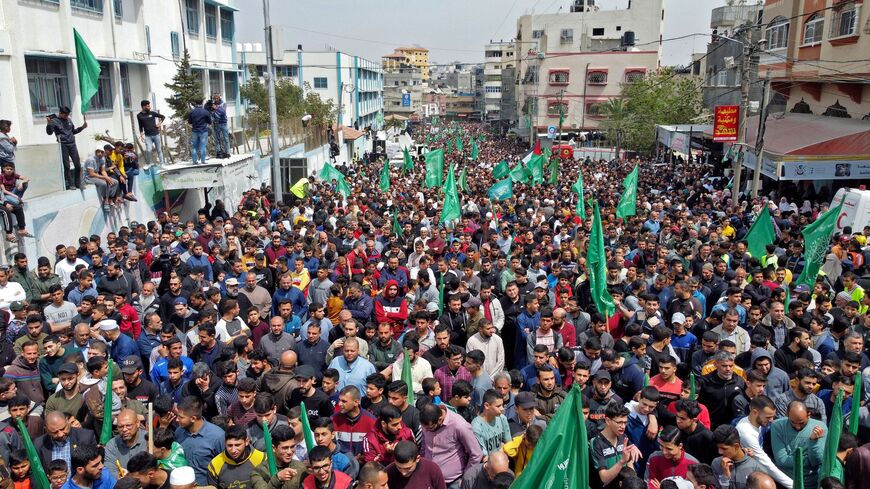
{"points": [[506, 15]]}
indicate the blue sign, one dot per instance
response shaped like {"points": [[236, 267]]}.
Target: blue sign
{"points": [[406, 100]]}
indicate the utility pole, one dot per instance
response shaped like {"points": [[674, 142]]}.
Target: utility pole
{"points": [[561, 120], [277, 184], [745, 64], [759, 140]]}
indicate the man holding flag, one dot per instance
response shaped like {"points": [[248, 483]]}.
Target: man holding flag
{"points": [[289, 472]]}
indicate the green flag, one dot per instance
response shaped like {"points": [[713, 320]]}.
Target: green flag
{"points": [[330, 173], [434, 168], [628, 201], [306, 428], [501, 170], [409, 162], [451, 208], [854, 414], [459, 144], [474, 150], [798, 480], [501, 190], [441, 295], [106, 431], [449, 145], [536, 169], [407, 377], [596, 267], [463, 180], [816, 238], [519, 174], [88, 69], [385, 177], [760, 234], [554, 171], [832, 439], [561, 457], [397, 228], [270, 451], [580, 209], [693, 389], [39, 478], [645, 379]]}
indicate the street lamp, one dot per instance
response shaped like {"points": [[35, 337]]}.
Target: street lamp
{"points": [[273, 108]]}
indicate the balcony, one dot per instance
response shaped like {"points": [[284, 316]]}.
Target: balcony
{"points": [[727, 17]]}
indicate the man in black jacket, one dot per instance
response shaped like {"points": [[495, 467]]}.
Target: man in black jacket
{"points": [[65, 131], [61, 437]]}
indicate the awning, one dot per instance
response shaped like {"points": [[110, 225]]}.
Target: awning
{"points": [[350, 133], [676, 137], [811, 147]]}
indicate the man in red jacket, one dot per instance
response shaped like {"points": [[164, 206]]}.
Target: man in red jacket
{"points": [[391, 308], [322, 476], [351, 422], [380, 442]]}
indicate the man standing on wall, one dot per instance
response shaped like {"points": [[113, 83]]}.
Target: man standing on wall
{"points": [[149, 131]]}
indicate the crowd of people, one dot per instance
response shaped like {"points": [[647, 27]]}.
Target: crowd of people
{"points": [[264, 346]]}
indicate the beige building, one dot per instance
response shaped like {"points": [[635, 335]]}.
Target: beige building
{"points": [[816, 56], [574, 62], [413, 56]]}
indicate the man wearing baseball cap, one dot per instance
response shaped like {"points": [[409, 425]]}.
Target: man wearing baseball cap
{"points": [[317, 403], [525, 404]]}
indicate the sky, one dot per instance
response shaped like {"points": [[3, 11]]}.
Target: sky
{"points": [[452, 30]]}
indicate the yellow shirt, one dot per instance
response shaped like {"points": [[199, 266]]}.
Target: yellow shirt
{"points": [[519, 454], [118, 160], [301, 279]]}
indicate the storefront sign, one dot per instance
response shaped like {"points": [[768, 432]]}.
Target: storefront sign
{"points": [[725, 123]]}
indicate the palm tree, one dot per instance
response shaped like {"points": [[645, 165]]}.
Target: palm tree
{"points": [[617, 119]]}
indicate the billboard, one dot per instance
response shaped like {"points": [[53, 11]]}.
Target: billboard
{"points": [[725, 123]]}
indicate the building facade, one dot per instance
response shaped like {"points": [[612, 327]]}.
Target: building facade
{"points": [[137, 44], [354, 84], [722, 62], [573, 62], [498, 56], [815, 56], [403, 93]]}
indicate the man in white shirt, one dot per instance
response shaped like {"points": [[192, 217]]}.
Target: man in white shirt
{"points": [[10, 291], [762, 411], [490, 344], [64, 268]]}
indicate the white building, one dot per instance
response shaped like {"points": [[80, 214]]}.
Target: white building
{"points": [[355, 82], [498, 55], [137, 43], [573, 62]]}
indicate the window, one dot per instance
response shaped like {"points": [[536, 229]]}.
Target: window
{"points": [[228, 26], [531, 74], [102, 100], [287, 71], [598, 31], [538, 34], [844, 21], [556, 108], [320, 82], [95, 6], [176, 47], [48, 84], [148, 39], [595, 109], [597, 78], [231, 86], [721, 78], [492, 78], [210, 21], [214, 82], [118, 7], [777, 33], [125, 85], [558, 78], [813, 29], [634, 76], [198, 73], [567, 36], [192, 16], [492, 89]]}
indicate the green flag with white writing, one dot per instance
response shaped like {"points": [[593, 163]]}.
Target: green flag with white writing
{"points": [[561, 457], [463, 180], [817, 236], [580, 209], [459, 144], [596, 267], [628, 201], [536, 169], [501, 170], [385, 177], [474, 150], [501, 190], [88, 71], [409, 162], [519, 174], [434, 168]]}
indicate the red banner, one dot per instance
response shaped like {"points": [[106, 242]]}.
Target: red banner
{"points": [[726, 122]]}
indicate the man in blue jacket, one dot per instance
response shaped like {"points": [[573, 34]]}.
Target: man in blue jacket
{"points": [[221, 132], [199, 120], [122, 346]]}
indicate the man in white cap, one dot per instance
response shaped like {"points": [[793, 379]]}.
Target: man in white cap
{"points": [[182, 478], [120, 345]]}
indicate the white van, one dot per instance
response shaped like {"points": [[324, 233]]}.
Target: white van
{"points": [[856, 209]]}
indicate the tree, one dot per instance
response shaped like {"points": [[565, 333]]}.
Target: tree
{"points": [[290, 102], [662, 97], [617, 121], [186, 88]]}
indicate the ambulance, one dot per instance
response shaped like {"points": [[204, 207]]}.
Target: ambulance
{"points": [[856, 209]]}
